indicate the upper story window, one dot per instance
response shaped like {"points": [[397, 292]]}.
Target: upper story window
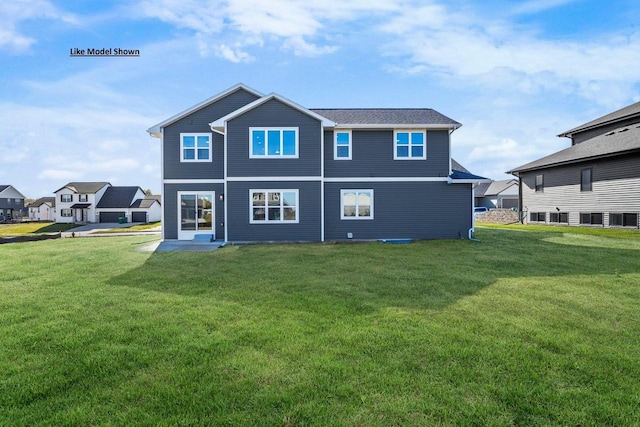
{"points": [[67, 198], [356, 204], [83, 198], [195, 147], [409, 145], [273, 206], [585, 179], [273, 143], [539, 183], [342, 145]]}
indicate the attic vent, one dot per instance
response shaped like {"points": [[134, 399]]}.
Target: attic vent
{"points": [[609, 134], [624, 130]]}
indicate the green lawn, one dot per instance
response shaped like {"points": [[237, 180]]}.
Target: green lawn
{"points": [[524, 327], [24, 228]]}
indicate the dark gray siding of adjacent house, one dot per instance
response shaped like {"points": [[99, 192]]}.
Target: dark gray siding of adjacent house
{"points": [[274, 113], [198, 122], [613, 180], [372, 156], [417, 210], [309, 211], [170, 206], [588, 134]]}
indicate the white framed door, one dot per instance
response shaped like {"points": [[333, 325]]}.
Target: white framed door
{"points": [[196, 214]]}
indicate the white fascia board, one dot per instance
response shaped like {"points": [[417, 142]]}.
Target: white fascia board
{"points": [[395, 126], [387, 179], [219, 124], [156, 129]]}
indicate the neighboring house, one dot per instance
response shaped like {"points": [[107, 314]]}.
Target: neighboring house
{"points": [[594, 182], [11, 203], [244, 167], [127, 202], [101, 202], [76, 201], [43, 209], [501, 194]]}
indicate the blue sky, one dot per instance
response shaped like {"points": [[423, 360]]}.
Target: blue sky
{"points": [[515, 74]]}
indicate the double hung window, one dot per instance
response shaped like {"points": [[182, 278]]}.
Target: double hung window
{"points": [[66, 198], [342, 145]]}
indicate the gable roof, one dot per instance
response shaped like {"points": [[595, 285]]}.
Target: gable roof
{"points": [[41, 201], [616, 116], [617, 142], [219, 124], [457, 166], [156, 129], [494, 187], [4, 188], [84, 187], [118, 197], [387, 117]]}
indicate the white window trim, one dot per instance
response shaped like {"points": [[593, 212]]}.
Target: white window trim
{"points": [[196, 135], [355, 190], [266, 154], [335, 144], [66, 201], [409, 131], [266, 214]]}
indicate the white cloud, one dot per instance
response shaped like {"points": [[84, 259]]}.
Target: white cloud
{"points": [[12, 13], [230, 28], [536, 6], [58, 175], [478, 51]]}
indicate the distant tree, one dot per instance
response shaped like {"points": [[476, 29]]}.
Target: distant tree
{"points": [[148, 192]]}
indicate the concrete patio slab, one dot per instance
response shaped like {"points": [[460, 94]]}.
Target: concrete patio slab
{"points": [[182, 245]]}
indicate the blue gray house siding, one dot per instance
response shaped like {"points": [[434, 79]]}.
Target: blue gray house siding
{"points": [[170, 206], [274, 113], [372, 156], [417, 210], [309, 211], [198, 122]]}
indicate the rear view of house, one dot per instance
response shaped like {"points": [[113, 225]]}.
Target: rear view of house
{"points": [[594, 182], [11, 203], [242, 166]]}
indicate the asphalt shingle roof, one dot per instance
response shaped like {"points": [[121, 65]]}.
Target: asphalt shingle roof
{"points": [[117, 197], [623, 113], [3, 187], [386, 116], [84, 187], [146, 202], [43, 200], [616, 142]]}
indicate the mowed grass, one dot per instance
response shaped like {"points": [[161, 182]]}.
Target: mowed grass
{"points": [[524, 327], [23, 228]]}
